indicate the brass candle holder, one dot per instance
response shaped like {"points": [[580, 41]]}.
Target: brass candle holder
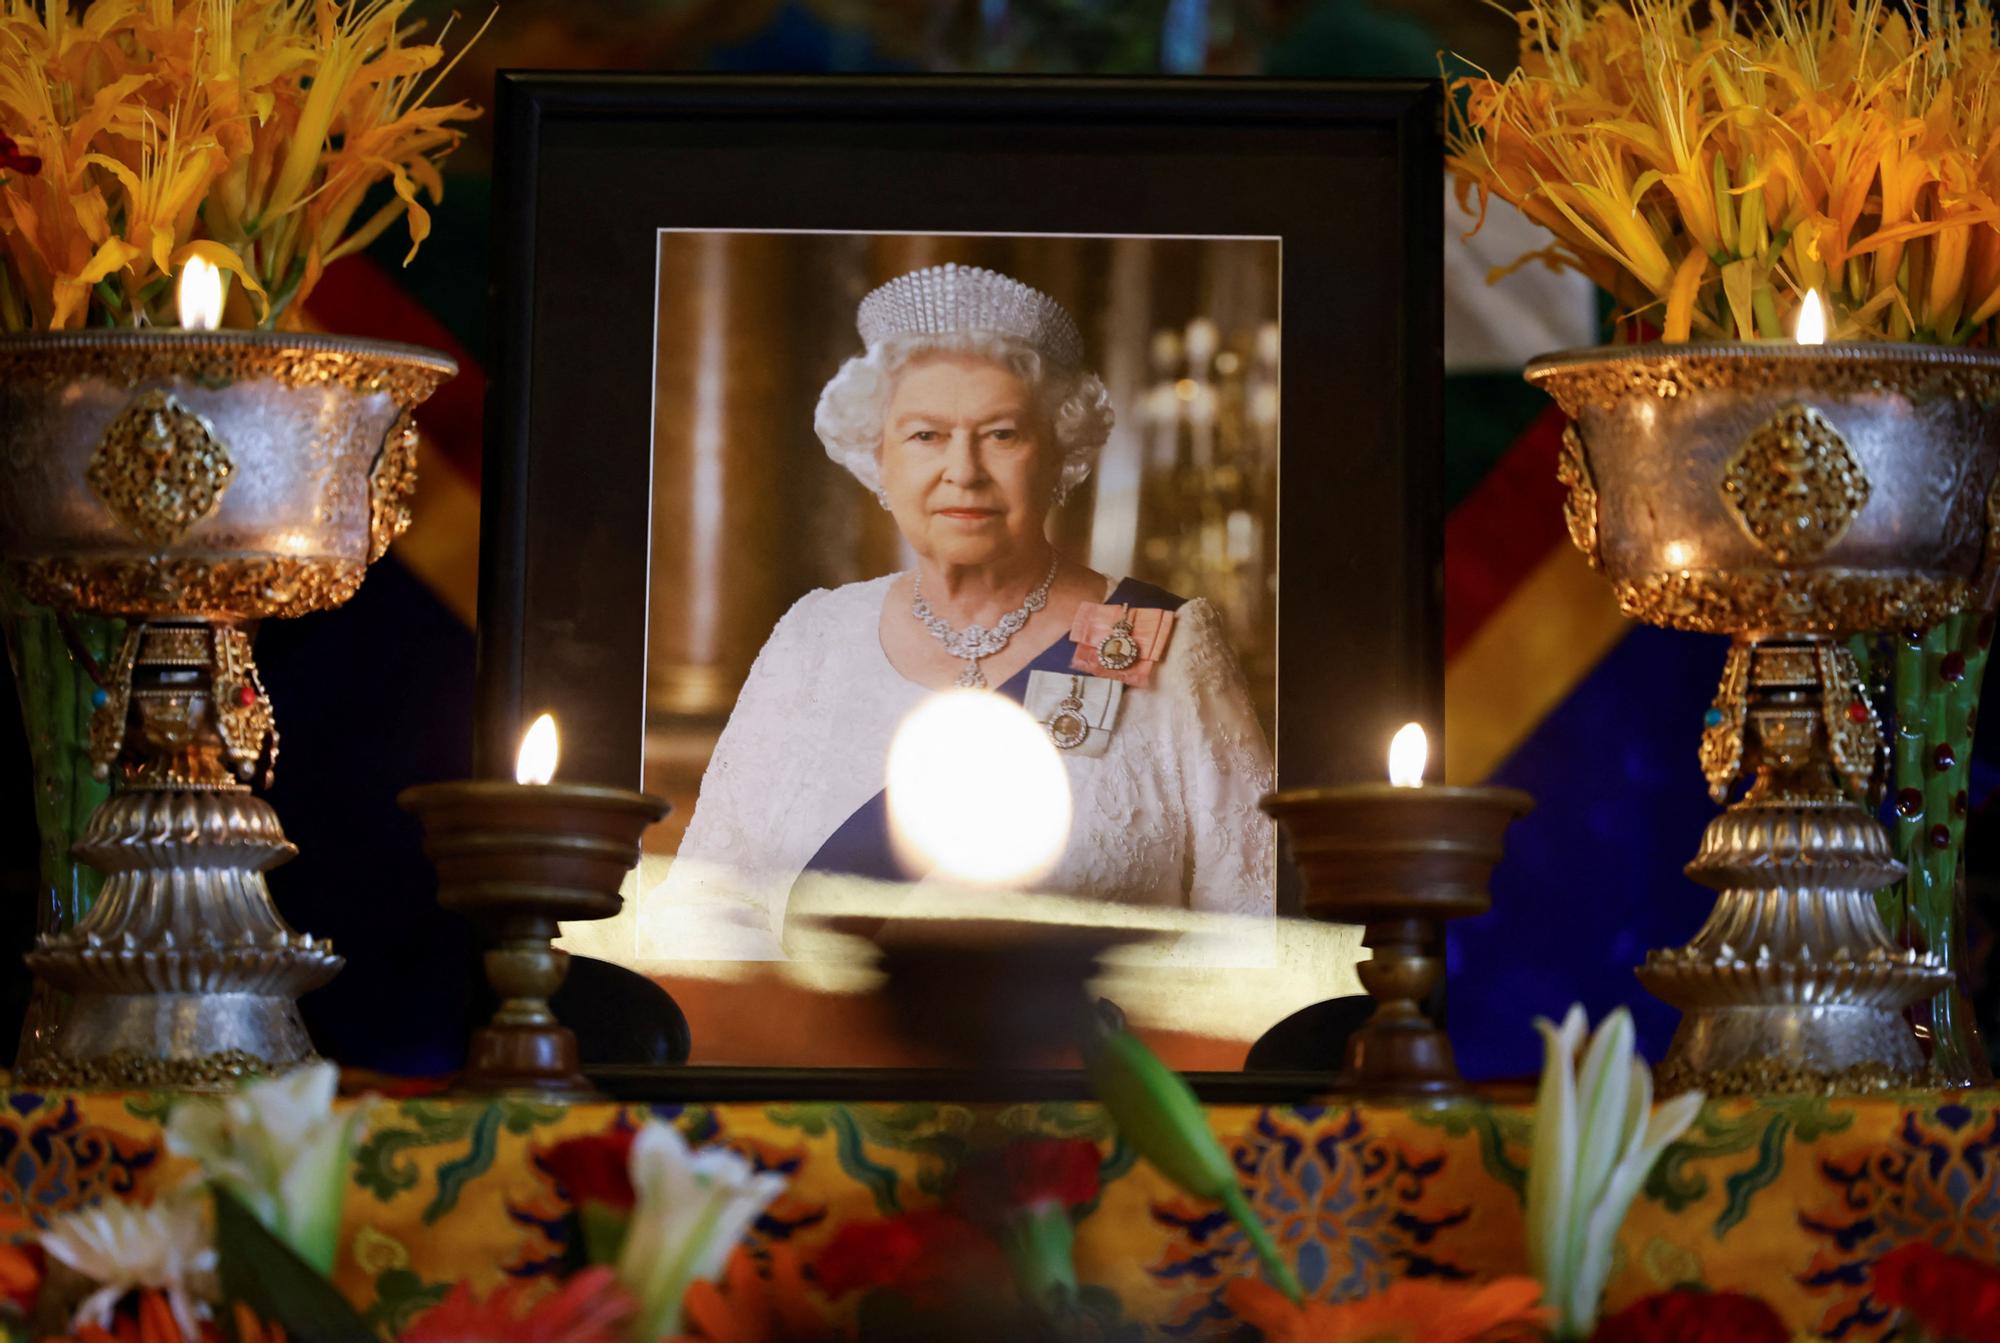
{"points": [[518, 858], [1402, 861]]}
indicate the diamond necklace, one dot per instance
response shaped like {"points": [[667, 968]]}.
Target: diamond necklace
{"points": [[976, 641]]}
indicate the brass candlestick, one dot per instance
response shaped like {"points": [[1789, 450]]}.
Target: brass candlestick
{"points": [[518, 859], [1403, 862], [192, 483]]}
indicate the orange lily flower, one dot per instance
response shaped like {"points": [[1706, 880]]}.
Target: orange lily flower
{"points": [[1708, 165], [139, 134]]}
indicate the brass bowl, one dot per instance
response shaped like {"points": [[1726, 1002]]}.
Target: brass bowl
{"points": [[1816, 489], [223, 474]]}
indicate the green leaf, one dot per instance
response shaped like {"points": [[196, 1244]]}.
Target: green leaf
{"points": [[264, 1273]]}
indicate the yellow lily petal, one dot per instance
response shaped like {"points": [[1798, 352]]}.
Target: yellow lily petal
{"points": [[1680, 298], [115, 255]]}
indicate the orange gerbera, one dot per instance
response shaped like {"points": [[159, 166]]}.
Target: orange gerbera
{"points": [[1411, 1311], [753, 1307], [20, 1264], [153, 1322]]}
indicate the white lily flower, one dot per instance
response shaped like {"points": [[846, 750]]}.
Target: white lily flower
{"points": [[689, 1211], [1596, 1139], [277, 1145], [122, 1247]]}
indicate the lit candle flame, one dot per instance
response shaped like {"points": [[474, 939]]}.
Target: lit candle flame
{"points": [[1407, 752], [976, 791], [1811, 329], [539, 749], [200, 294]]}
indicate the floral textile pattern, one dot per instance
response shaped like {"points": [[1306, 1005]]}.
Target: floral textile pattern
{"points": [[53, 1158], [1936, 1182], [1353, 1209]]}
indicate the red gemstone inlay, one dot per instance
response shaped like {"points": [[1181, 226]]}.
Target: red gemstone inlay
{"points": [[1940, 837], [1857, 712], [1909, 804], [245, 696], [1953, 667], [1943, 757]]}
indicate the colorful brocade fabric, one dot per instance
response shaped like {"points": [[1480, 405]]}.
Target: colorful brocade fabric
{"points": [[1790, 1199]]}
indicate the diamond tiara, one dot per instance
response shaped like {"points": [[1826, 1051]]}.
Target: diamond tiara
{"points": [[953, 298]]}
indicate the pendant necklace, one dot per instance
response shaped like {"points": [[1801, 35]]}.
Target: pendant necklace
{"points": [[977, 641]]}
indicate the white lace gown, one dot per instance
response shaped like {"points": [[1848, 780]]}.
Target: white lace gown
{"points": [[1167, 816]]}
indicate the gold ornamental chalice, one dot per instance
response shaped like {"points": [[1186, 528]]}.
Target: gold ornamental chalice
{"points": [[1788, 496], [192, 483]]}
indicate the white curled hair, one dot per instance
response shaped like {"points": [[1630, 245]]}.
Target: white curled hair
{"points": [[855, 403]]}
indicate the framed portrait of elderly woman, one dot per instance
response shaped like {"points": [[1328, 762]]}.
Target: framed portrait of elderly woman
{"points": [[964, 499]]}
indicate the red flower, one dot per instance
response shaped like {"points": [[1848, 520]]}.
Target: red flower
{"points": [[1053, 1170], [1948, 1295], [1689, 1315], [1030, 1173], [597, 1169], [21, 1271], [588, 1309], [920, 1255], [13, 160]]}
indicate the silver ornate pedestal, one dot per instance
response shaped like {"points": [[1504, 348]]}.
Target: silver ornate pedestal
{"points": [[1787, 496], [192, 483], [1793, 982]]}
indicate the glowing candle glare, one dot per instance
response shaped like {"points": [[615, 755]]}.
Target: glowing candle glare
{"points": [[976, 790], [1811, 329], [540, 748], [200, 294], [1407, 752]]}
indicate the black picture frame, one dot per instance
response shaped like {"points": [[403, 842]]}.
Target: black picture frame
{"points": [[588, 166]]}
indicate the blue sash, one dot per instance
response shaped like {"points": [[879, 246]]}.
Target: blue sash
{"points": [[861, 846]]}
